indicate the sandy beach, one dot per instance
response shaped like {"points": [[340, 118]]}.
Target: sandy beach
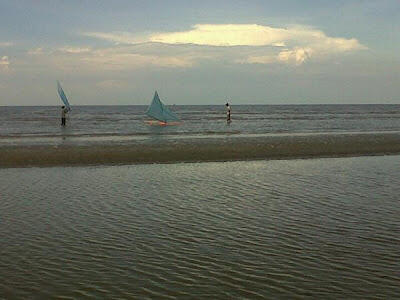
{"points": [[273, 147]]}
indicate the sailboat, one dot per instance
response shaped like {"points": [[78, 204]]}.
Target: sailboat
{"points": [[62, 96], [157, 110]]}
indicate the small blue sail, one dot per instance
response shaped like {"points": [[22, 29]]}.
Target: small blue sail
{"points": [[159, 111], [62, 96]]}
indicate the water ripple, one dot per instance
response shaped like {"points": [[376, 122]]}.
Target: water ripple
{"points": [[323, 228]]}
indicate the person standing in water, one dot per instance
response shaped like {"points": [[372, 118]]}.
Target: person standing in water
{"points": [[228, 112], [64, 112]]}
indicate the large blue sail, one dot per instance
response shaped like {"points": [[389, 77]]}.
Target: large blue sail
{"points": [[62, 96], [159, 111]]}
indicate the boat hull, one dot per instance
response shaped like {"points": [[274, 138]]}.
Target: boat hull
{"points": [[160, 123]]}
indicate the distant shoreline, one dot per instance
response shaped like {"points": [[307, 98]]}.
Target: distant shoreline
{"points": [[282, 147]]}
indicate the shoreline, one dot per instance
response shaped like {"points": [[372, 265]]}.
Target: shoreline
{"points": [[282, 147]]}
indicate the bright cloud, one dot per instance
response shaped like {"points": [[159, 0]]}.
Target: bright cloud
{"points": [[255, 35], [225, 35], [293, 45]]}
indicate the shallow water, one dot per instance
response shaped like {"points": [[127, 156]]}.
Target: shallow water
{"points": [[121, 124], [323, 228]]}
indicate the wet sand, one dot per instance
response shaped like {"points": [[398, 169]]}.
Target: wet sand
{"points": [[224, 149]]}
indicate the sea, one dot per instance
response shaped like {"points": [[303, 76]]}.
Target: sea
{"points": [[126, 124], [320, 228]]}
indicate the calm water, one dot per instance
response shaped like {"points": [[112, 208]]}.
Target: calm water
{"points": [[126, 123], [323, 228]]}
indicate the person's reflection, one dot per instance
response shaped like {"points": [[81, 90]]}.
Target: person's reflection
{"points": [[65, 135]]}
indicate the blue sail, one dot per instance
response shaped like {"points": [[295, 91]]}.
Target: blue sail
{"points": [[62, 96], [159, 111]]}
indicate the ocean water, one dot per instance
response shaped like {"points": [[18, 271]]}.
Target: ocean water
{"points": [[320, 228], [125, 124]]}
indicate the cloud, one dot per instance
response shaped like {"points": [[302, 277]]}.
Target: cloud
{"points": [[224, 35], [61, 50], [124, 59], [74, 50], [265, 59], [299, 43], [36, 51], [131, 61], [117, 37], [296, 55], [207, 43], [4, 63], [114, 58], [6, 44], [205, 35], [112, 84]]}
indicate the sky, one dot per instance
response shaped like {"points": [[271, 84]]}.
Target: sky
{"points": [[200, 52]]}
